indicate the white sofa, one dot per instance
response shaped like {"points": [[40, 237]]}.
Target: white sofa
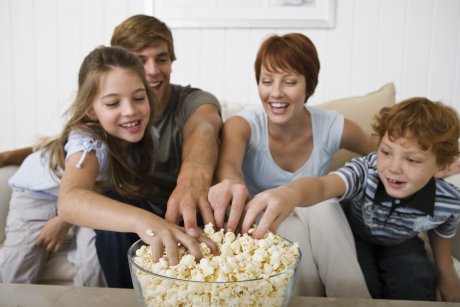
{"points": [[360, 109]]}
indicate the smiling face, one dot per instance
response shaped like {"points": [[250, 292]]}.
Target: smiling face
{"points": [[282, 94], [403, 166], [158, 67], [121, 105]]}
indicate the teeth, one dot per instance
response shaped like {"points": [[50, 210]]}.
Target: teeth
{"points": [[278, 105], [130, 125], [154, 84]]}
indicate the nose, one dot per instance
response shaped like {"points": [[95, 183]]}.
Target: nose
{"points": [[129, 109], [395, 165], [150, 67], [276, 90]]}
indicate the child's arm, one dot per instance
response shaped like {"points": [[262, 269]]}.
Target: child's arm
{"points": [[276, 204], [79, 204], [14, 157], [53, 234], [448, 283]]}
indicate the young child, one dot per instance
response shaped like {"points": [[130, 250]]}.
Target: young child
{"points": [[106, 144], [391, 196]]}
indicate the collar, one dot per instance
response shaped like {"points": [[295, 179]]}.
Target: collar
{"points": [[422, 200]]}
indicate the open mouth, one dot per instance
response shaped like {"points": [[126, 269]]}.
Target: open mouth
{"points": [[396, 184], [155, 85], [278, 105], [278, 108], [131, 125]]}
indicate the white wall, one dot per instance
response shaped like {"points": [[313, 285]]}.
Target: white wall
{"points": [[414, 43]]}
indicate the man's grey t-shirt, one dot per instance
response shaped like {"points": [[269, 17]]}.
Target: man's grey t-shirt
{"points": [[183, 102]]}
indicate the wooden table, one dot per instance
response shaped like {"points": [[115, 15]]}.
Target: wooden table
{"points": [[16, 295]]}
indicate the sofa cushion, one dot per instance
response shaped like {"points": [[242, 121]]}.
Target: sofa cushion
{"points": [[360, 109], [5, 193]]}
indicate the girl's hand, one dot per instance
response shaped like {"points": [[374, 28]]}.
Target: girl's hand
{"points": [[53, 234], [224, 194], [276, 205], [168, 238], [449, 287]]}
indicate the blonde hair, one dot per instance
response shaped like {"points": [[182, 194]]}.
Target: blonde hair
{"points": [[435, 126], [126, 178]]}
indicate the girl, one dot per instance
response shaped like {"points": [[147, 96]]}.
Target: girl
{"points": [[107, 144], [285, 140]]}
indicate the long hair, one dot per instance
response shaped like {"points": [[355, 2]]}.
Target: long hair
{"points": [[127, 176]]}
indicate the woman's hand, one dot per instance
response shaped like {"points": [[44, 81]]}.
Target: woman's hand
{"points": [[228, 194], [53, 234]]}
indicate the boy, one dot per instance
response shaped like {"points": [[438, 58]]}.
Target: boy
{"points": [[391, 196]]}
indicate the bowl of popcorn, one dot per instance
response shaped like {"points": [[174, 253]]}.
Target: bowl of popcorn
{"points": [[246, 272]]}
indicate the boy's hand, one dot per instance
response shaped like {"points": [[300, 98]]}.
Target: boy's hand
{"points": [[53, 233], [276, 204], [448, 287]]}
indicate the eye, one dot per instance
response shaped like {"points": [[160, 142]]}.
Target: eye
{"points": [[112, 104], [266, 82], [139, 99], [143, 60], [384, 152], [163, 59], [413, 161], [291, 82]]}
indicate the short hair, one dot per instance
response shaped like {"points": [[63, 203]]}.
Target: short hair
{"points": [[142, 31], [293, 51], [434, 125]]}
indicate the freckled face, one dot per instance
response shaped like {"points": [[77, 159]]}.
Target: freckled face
{"points": [[282, 94], [121, 106], [404, 167]]}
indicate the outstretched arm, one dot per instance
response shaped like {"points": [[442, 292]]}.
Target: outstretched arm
{"points": [[448, 283], [276, 204], [14, 157], [79, 204], [199, 158], [230, 191]]}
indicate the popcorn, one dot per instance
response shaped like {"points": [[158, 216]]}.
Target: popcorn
{"points": [[241, 275]]}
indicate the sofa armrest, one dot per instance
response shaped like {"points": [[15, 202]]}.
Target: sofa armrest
{"points": [[5, 194]]}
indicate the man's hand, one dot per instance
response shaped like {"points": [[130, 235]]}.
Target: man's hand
{"points": [[190, 196], [14, 157], [53, 234], [199, 159]]}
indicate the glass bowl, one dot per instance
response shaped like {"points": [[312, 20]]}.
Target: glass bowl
{"points": [[158, 290]]}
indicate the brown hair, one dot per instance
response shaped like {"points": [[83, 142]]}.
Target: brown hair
{"points": [[128, 179], [293, 51], [141, 31], [435, 126]]}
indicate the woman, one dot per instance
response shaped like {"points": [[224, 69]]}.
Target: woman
{"points": [[283, 141]]}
